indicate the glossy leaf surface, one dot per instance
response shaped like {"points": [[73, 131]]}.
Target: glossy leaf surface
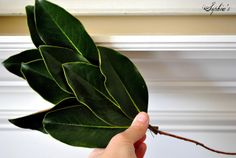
{"points": [[59, 28], [32, 26], [86, 81], [13, 63], [123, 81], [80, 127], [35, 121], [40, 80], [96, 90], [54, 57]]}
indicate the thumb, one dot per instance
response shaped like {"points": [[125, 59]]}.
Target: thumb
{"points": [[138, 128]]}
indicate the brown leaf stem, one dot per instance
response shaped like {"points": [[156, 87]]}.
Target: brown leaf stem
{"points": [[155, 129]]}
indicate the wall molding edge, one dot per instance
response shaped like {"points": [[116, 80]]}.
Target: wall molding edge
{"points": [[142, 42], [214, 121]]}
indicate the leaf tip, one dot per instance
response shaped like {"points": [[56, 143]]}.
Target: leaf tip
{"points": [[13, 121], [4, 63], [29, 7]]}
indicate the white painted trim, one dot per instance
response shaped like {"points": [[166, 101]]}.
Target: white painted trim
{"points": [[14, 86], [126, 7], [204, 87], [202, 121], [10, 45], [165, 43], [141, 43], [198, 121]]}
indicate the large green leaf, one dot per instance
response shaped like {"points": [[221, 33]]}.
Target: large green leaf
{"points": [[13, 63], [57, 27], [123, 81], [78, 126], [35, 121], [97, 92], [41, 81], [86, 81], [32, 26], [54, 57]]}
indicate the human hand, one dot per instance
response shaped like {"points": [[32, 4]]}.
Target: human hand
{"points": [[127, 144]]}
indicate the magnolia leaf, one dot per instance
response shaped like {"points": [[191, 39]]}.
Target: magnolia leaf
{"points": [[32, 26], [54, 57], [78, 126], [123, 81], [35, 121], [41, 81], [86, 81], [69, 65], [97, 91], [13, 63], [59, 28]]}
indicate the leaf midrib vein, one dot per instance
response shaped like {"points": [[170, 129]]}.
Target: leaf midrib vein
{"points": [[100, 92], [72, 43], [123, 85], [87, 126]]}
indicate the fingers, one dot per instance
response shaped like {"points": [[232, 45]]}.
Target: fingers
{"points": [[140, 150], [130, 142], [138, 128], [140, 141], [140, 147]]}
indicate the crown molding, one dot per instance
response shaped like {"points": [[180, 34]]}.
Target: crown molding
{"points": [[168, 42], [187, 121], [141, 42], [207, 51], [131, 7]]}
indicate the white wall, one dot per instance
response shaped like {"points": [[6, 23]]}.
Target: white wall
{"points": [[192, 88], [130, 7]]}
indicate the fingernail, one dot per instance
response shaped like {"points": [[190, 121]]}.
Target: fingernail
{"points": [[140, 119]]}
